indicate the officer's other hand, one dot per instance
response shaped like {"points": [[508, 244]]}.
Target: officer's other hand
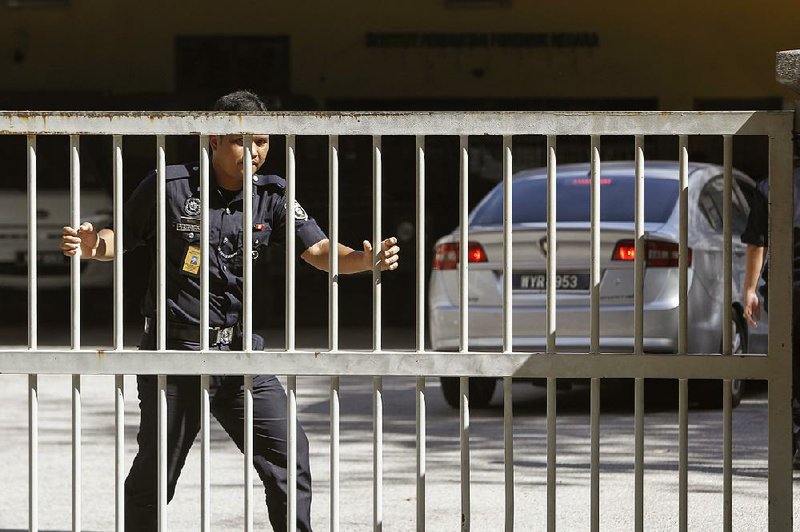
{"points": [[389, 257], [752, 308], [80, 241]]}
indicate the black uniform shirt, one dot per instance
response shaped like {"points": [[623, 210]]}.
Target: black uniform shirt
{"points": [[225, 240], [756, 232]]}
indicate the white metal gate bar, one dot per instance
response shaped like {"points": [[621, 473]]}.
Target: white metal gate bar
{"points": [[205, 400], [508, 334], [377, 328], [463, 337], [33, 342], [75, 330], [552, 247], [291, 381], [119, 380], [420, 331], [683, 341], [333, 323], [727, 331], [780, 338], [161, 324], [420, 363], [594, 401]]}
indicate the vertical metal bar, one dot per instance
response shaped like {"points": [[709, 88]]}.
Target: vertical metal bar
{"points": [[75, 208], [551, 454], [291, 442], [508, 332], [377, 453], [420, 284], [377, 190], [333, 277], [421, 452], [683, 315], [638, 335], [33, 453], [780, 337], [290, 243], [334, 465], [727, 332], [463, 290], [247, 340], [377, 214], [683, 255], [33, 235], [75, 221], [205, 401], [595, 244], [161, 203], [333, 323], [377, 405], [551, 243], [551, 329], [247, 248], [33, 341], [291, 384], [595, 335], [119, 380]]}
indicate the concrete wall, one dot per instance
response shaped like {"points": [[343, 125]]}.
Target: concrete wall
{"points": [[675, 51]]}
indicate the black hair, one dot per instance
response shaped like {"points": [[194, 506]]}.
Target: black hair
{"points": [[242, 101]]}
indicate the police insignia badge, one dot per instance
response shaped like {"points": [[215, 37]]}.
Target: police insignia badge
{"points": [[299, 211], [192, 206]]}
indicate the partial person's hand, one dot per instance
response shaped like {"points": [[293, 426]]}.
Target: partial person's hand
{"points": [[389, 257], [752, 308], [81, 241]]}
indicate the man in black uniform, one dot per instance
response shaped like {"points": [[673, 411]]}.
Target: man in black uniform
{"points": [[183, 313], [756, 237]]}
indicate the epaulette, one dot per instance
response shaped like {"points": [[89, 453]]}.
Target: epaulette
{"points": [[272, 182], [179, 171]]}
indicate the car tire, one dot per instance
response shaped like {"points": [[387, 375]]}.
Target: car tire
{"points": [[708, 393], [481, 390]]}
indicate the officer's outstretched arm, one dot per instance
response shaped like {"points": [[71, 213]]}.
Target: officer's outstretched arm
{"points": [[88, 243], [352, 261]]}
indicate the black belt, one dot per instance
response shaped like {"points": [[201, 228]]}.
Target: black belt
{"points": [[191, 333]]}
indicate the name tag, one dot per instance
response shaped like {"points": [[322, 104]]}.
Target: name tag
{"points": [[191, 262], [187, 228]]}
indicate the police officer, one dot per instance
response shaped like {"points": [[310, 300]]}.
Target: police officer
{"points": [[756, 237], [183, 255]]}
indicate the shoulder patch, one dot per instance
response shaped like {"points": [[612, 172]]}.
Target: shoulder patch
{"points": [[178, 171]]}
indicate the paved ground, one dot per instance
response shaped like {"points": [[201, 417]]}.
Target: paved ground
{"points": [[617, 502]]}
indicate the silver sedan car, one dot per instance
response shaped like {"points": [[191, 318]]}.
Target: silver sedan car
{"points": [[573, 186]]}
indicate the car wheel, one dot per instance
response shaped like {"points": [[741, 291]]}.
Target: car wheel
{"points": [[708, 393], [481, 390]]}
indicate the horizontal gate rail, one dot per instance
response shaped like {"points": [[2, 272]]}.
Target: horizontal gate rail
{"points": [[399, 123], [390, 363]]}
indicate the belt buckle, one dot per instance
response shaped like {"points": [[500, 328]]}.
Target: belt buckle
{"points": [[225, 336]]}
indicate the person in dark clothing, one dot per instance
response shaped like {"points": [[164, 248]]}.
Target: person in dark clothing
{"points": [[756, 237], [225, 256]]}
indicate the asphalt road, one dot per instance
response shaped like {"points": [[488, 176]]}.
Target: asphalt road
{"points": [[443, 488]]}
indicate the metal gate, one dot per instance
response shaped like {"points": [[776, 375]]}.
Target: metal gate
{"points": [[379, 362]]}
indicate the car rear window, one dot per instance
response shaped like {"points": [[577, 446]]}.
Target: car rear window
{"points": [[573, 200]]}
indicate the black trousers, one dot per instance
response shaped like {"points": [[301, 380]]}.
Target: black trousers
{"points": [[183, 423]]}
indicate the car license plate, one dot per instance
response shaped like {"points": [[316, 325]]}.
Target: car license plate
{"points": [[538, 281]]}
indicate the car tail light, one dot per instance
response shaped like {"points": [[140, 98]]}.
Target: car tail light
{"points": [[445, 256], [658, 254]]}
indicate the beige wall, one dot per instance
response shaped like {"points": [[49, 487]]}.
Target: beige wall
{"points": [[675, 51]]}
